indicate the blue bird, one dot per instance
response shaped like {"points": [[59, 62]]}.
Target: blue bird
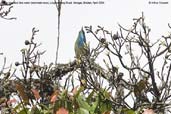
{"points": [[81, 47], [82, 51]]}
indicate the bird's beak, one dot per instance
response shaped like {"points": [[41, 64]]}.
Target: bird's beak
{"points": [[82, 29]]}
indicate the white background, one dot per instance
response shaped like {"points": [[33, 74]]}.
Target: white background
{"points": [[13, 33]]}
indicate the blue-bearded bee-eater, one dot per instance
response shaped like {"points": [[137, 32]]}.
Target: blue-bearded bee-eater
{"points": [[81, 47], [82, 52]]}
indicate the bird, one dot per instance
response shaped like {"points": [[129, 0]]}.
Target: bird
{"points": [[81, 47], [82, 51]]}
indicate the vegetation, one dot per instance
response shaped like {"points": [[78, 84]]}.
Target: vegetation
{"points": [[135, 84]]}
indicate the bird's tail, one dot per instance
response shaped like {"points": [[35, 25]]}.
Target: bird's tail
{"points": [[83, 77]]}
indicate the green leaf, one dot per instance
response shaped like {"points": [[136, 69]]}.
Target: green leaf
{"points": [[18, 106], [69, 106], [35, 110], [106, 105], [82, 111], [82, 103], [79, 91], [94, 106], [64, 94], [89, 98], [23, 111], [43, 106], [106, 94], [128, 111]]}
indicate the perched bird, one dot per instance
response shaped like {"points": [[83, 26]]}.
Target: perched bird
{"points": [[82, 51], [81, 47]]}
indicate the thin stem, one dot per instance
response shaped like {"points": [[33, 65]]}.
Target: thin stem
{"points": [[58, 7]]}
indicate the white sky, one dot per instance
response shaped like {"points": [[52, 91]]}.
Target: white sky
{"points": [[73, 17]]}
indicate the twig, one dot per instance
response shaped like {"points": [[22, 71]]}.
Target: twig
{"points": [[58, 7]]}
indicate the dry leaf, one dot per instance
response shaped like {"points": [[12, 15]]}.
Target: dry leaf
{"points": [[2, 100], [11, 101], [148, 111], [74, 91], [54, 96], [20, 88], [62, 111], [36, 93]]}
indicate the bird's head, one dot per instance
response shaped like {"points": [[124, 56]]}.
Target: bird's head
{"points": [[81, 38]]}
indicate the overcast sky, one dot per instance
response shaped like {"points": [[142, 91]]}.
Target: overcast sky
{"points": [[73, 17]]}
